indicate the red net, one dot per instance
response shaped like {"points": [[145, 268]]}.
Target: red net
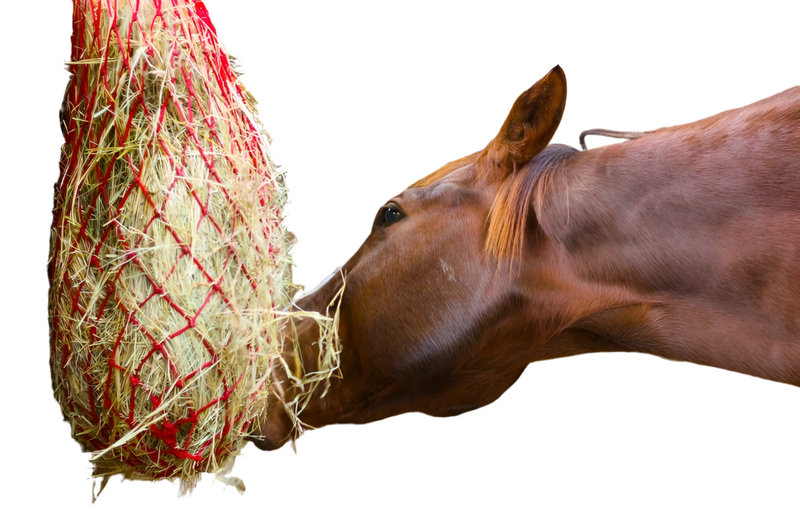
{"points": [[167, 249]]}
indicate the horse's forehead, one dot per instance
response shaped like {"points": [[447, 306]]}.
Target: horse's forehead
{"points": [[463, 169], [456, 186], [463, 175], [460, 177]]}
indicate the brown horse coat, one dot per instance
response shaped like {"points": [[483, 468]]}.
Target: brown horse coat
{"points": [[682, 244]]}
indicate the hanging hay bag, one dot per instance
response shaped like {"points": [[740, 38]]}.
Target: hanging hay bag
{"points": [[168, 259]]}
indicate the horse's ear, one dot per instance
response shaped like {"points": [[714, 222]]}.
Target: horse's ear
{"points": [[530, 125]]}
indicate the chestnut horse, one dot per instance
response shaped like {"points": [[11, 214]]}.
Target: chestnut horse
{"points": [[683, 243]]}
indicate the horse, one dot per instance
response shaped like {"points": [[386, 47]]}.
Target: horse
{"points": [[683, 243]]}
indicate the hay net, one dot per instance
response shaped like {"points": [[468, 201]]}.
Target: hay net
{"points": [[169, 261]]}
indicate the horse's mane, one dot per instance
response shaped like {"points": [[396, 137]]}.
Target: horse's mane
{"points": [[515, 197], [521, 190]]}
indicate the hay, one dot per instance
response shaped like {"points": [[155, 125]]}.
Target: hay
{"points": [[169, 263]]}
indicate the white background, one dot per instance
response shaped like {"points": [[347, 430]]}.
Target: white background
{"points": [[362, 99]]}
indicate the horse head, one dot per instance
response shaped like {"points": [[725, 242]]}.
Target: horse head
{"points": [[432, 315], [681, 243]]}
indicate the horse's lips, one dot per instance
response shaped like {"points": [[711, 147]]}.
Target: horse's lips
{"points": [[276, 429]]}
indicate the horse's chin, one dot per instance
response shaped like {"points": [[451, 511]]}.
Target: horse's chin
{"points": [[274, 430], [267, 442]]}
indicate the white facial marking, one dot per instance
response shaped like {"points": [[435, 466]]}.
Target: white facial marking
{"points": [[447, 269]]}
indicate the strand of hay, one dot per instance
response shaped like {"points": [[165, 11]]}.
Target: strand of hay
{"points": [[169, 262]]}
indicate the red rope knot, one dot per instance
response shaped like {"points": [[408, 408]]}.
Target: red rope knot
{"points": [[167, 433], [181, 454]]}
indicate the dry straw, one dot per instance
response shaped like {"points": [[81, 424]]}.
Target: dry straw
{"points": [[169, 262]]}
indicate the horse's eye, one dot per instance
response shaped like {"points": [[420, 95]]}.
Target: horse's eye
{"points": [[389, 215]]}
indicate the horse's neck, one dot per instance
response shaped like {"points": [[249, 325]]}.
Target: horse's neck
{"points": [[672, 261], [689, 330]]}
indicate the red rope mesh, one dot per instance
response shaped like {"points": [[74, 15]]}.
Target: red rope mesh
{"points": [[107, 293]]}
